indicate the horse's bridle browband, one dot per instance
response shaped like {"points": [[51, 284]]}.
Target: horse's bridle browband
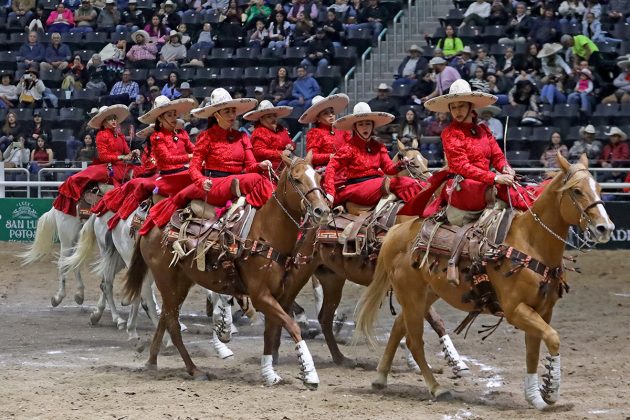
{"points": [[583, 211]]}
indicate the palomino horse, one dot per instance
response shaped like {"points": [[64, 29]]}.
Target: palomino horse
{"points": [[526, 297], [332, 268], [52, 225], [275, 227]]}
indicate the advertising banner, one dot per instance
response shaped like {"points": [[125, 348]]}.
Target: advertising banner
{"points": [[18, 217]]}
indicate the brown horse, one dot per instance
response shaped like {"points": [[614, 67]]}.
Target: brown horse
{"points": [[526, 297], [276, 225]]}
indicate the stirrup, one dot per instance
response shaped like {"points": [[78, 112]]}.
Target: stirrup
{"points": [[235, 187], [237, 204], [383, 202]]}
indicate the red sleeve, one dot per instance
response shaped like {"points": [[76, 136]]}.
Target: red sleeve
{"points": [[164, 153], [624, 152], [148, 161], [497, 158], [336, 163], [183, 135], [251, 165], [627, 180], [389, 167], [314, 143], [106, 147], [51, 19], [457, 157], [199, 155], [604, 154], [262, 146]]}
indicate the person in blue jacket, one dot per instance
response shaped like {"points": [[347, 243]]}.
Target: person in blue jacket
{"points": [[305, 88]]}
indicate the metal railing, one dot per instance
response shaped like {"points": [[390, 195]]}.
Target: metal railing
{"points": [[346, 81], [380, 50], [44, 171], [364, 57], [395, 23], [302, 144]]}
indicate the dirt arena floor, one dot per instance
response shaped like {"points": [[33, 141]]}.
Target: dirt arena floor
{"points": [[53, 364]]}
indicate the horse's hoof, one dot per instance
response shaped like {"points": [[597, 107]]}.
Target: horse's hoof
{"points": [[121, 324], [201, 376], [378, 385], [125, 302], [55, 302], [443, 395], [311, 386], [462, 373], [78, 298], [94, 318], [150, 366]]}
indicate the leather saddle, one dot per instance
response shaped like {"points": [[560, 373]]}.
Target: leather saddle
{"points": [[90, 197]]}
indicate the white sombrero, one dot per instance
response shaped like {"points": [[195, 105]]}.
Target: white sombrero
{"points": [[265, 108], [549, 50], [144, 33], [493, 109], [120, 111], [460, 92], [162, 104], [147, 131], [221, 99], [363, 112], [338, 102]]}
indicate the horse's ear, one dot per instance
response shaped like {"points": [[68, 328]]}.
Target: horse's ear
{"points": [[401, 146], [287, 160], [414, 143], [584, 160], [564, 164], [309, 157]]}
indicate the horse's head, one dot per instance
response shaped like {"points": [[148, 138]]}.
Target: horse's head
{"points": [[418, 164], [580, 202], [302, 191]]}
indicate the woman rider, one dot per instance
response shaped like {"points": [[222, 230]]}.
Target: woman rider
{"points": [[270, 139]]}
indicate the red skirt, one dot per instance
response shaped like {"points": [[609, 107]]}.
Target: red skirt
{"points": [[368, 193], [169, 185], [134, 192], [256, 189]]}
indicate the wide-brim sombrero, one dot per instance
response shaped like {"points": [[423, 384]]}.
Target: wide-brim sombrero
{"points": [[162, 104], [549, 50], [221, 99], [338, 102], [460, 92], [120, 111], [266, 108], [147, 131], [142, 32], [362, 112]]}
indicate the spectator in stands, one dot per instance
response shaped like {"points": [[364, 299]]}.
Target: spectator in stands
{"points": [[320, 51], [498, 15], [10, 131], [410, 130], [478, 82], [32, 52], [259, 94], [444, 77], [233, 13], [587, 144], [186, 93], [301, 6], [583, 91], [548, 158], [41, 157], [582, 48], [16, 155], [519, 27], [592, 6], [618, 10], [498, 88], [382, 102], [183, 30], [113, 56], [30, 90], [60, 20], [374, 16], [72, 4], [75, 75], [305, 88], [205, 38], [571, 11], [142, 50], [85, 17], [463, 63], [546, 28], [279, 31], [259, 35], [124, 91], [592, 28], [304, 29], [109, 17], [450, 45], [57, 56], [436, 123], [528, 62], [616, 154], [35, 130], [280, 87], [172, 52], [524, 93], [132, 18], [333, 28], [170, 88], [21, 9], [154, 92], [622, 85], [256, 10], [156, 30], [488, 115], [8, 92], [38, 20], [409, 68], [169, 16], [488, 62], [424, 86], [555, 71], [139, 107], [87, 153], [476, 14], [505, 65], [147, 85]]}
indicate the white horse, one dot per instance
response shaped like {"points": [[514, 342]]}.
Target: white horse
{"points": [[52, 225]]}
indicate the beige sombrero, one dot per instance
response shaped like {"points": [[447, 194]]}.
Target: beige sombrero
{"points": [[338, 102], [265, 108], [363, 112], [147, 131], [493, 109], [460, 92], [120, 111], [162, 104], [144, 33], [221, 99], [549, 49]]}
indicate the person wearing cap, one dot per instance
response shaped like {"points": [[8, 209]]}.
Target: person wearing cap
{"points": [[444, 77], [30, 90], [471, 152], [186, 93], [322, 139], [269, 138], [616, 154], [143, 49], [111, 165], [223, 166], [320, 51], [463, 62], [60, 20], [582, 91], [622, 84], [586, 145], [487, 115], [169, 16], [172, 51], [364, 162], [85, 17], [450, 45], [382, 102], [132, 18], [409, 68], [109, 17], [555, 71]]}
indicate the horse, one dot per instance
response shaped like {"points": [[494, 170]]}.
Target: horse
{"points": [[535, 243], [332, 268], [274, 231], [52, 225]]}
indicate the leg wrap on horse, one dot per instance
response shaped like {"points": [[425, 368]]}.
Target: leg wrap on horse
{"points": [[532, 393], [452, 356], [222, 317], [307, 366], [550, 389], [269, 374]]}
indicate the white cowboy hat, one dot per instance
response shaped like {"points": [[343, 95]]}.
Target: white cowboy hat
{"points": [[266, 107], [221, 99], [493, 109], [147, 131], [589, 129], [338, 102], [120, 111], [616, 131], [549, 50], [363, 112], [460, 92], [624, 64], [162, 104], [142, 32]]}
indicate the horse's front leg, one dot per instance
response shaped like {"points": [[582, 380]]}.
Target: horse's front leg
{"points": [[79, 295], [536, 328], [108, 290]]}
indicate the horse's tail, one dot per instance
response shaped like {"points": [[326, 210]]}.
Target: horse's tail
{"points": [[135, 274], [45, 237], [84, 248], [110, 262]]}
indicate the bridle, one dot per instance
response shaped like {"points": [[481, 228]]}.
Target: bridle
{"points": [[583, 210], [413, 172]]}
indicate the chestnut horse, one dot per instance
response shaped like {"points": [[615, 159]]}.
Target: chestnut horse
{"points": [[277, 224], [526, 297]]}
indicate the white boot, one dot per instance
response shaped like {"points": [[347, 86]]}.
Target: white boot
{"points": [[411, 362], [269, 375], [452, 357], [222, 350], [532, 393], [318, 291], [307, 366], [550, 389], [222, 317]]}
